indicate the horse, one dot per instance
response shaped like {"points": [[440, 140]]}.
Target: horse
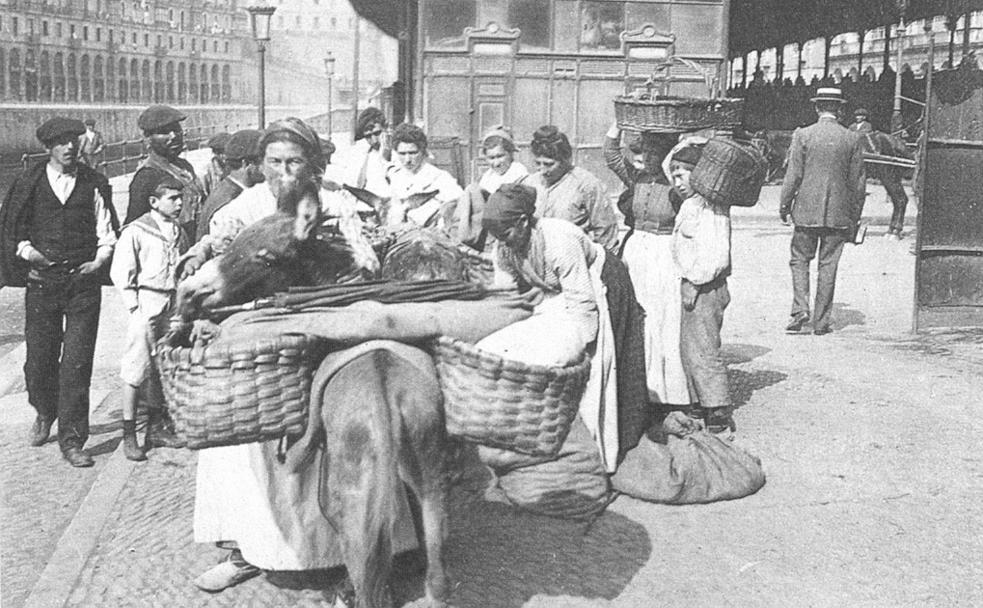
{"points": [[384, 419], [884, 144]]}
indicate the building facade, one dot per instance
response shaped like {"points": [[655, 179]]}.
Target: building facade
{"points": [[123, 52]]}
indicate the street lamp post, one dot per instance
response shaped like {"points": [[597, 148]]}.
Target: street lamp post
{"points": [[329, 71], [259, 19]]}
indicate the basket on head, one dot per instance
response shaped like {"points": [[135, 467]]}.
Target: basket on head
{"points": [[677, 114], [507, 404], [230, 393]]}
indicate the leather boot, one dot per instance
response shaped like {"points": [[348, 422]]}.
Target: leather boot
{"points": [[131, 448], [160, 431]]}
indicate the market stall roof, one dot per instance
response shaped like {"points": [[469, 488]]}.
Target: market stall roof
{"points": [[762, 24]]}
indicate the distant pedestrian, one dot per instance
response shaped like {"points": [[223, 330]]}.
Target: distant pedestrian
{"points": [[161, 126], [57, 231], [860, 123], [824, 193], [144, 270], [217, 168], [90, 144], [701, 252], [244, 161]]}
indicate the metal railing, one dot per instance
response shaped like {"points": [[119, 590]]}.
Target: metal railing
{"points": [[122, 157]]}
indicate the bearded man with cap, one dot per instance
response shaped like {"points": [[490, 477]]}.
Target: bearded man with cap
{"points": [[823, 192], [161, 126], [57, 231], [243, 159]]}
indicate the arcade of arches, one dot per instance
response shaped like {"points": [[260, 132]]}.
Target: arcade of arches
{"points": [[29, 74]]}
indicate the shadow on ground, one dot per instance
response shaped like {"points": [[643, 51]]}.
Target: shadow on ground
{"points": [[844, 316]]}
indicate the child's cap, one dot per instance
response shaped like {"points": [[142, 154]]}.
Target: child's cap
{"points": [[689, 155]]}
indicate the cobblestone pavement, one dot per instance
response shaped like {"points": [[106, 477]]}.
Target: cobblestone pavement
{"points": [[868, 437]]}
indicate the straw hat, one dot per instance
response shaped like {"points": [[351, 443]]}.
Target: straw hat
{"points": [[828, 94]]}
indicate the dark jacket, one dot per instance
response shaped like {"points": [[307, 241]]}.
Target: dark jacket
{"points": [[13, 270], [222, 195], [825, 184]]}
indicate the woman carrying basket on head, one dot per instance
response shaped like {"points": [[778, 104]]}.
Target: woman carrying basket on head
{"points": [[245, 500], [650, 209]]}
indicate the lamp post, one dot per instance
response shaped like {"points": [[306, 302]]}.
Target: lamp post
{"points": [[329, 71], [259, 20]]}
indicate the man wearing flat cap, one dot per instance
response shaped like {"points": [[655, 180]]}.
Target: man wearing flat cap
{"points": [[57, 232], [824, 193], [243, 159], [217, 168], [90, 143], [161, 126], [860, 123]]}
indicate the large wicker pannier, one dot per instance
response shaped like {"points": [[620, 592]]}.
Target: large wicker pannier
{"points": [[507, 404], [228, 393]]}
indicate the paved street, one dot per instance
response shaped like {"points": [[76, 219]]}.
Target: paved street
{"points": [[869, 437]]}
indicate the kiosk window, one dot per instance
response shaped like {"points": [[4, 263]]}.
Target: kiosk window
{"points": [[601, 24], [532, 17], [445, 20]]}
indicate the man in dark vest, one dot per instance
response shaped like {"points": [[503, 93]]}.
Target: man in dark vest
{"points": [[823, 192], [161, 126], [57, 231]]}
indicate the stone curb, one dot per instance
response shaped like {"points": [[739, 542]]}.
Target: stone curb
{"points": [[58, 579]]}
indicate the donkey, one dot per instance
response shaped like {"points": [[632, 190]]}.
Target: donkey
{"points": [[383, 410]]}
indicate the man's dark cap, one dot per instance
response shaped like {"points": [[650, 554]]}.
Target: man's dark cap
{"points": [[58, 127], [243, 144], [219, 141], [157, 116], [90, 122], [861, 112]]}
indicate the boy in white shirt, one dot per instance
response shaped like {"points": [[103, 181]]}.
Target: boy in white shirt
{"points": [[701, 251], [143, 269]]}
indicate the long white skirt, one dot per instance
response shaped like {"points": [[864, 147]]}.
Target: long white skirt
{"points": [[275, 518], [657, 287]]}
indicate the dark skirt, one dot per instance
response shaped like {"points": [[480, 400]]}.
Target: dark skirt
{"points": [[627, 322]]}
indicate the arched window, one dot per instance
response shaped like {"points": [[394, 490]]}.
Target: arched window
{"points": [[182, 83], [216, 84], [192, 83], [98, 80], [14, 74], [203, 97], [135, 95], [84, 75], [123, 86], [146, 85], [44, 80], [30, 76], [226, 83], [71, 66], [169, 78], [158, 82], [110, 80], [59, 69], [3, 74]]}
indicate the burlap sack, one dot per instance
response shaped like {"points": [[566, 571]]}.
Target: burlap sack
{"points": [[573, 485], [692, 467]]}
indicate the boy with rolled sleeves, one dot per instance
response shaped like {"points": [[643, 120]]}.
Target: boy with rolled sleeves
{"points": [[144, 270]]}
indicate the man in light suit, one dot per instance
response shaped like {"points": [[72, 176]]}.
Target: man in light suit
{"points": [[824, 193]]}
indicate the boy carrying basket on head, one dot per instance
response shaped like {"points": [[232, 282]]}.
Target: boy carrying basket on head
{"points": [[144, 268]]}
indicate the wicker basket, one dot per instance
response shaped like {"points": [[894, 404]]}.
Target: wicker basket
{"points": [[506, 404], [677, 114], [730, 172], [242, 392]]}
